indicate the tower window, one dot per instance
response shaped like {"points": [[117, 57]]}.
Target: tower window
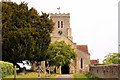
{"points": [[61, 24], [58, 24]]}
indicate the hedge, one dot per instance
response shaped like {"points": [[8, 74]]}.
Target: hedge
{"points": [[6, 68]]}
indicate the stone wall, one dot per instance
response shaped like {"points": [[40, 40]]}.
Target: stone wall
{"points": [[85, 62], [105, 71]]}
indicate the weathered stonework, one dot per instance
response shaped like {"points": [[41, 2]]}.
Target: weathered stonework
{"points": [[62, 32], [111, 71]]}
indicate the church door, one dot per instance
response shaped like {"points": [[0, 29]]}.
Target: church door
{"points": [[65, 69]]}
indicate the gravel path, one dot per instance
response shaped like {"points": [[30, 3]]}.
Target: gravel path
{"points": [[64, 77]]}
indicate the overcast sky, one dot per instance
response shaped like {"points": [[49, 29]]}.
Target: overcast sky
{"points": [[93, 22]]}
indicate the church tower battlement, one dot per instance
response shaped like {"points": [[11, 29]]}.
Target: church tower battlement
{"points": [[62, 25]]}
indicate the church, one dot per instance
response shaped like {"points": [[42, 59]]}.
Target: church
{"points": [[62, 32]]}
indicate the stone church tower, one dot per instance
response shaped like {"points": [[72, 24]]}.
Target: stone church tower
{"points": [[62, 32], [62, 26]]}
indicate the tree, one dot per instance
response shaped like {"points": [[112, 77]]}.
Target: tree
{"points": [[60, 54], [25, 33], [112, 58]]}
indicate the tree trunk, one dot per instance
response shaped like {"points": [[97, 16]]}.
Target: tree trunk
{"points": [[60, 69], [49, 70], [34, 66]]}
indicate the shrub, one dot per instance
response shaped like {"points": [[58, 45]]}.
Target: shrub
{"points": [[6, 68]]}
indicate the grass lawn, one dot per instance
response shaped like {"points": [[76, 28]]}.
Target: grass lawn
{"points": [[79, 76], [82, 77], [34, 76], [31, 76]]}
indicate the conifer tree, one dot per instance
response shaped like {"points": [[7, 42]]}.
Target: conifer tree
{"points": [[25, 33]]}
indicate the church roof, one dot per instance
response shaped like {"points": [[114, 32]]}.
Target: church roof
{"points": [[92, 62], [83, 48]]}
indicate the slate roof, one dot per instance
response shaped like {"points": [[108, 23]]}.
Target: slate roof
{"points": [[83, 48]]}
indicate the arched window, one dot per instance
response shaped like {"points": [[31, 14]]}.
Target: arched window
{"points": [[58, 24], [61, 24], [81, 63]]}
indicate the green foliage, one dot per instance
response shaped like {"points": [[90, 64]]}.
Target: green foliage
{"points": [[112, 58], [6, 69], [19, 47], [59, 53], [25, 33]]}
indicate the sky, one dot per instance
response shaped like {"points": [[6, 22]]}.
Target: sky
{"points": [[93, 22]]}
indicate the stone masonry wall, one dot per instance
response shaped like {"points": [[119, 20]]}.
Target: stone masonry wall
{"points": [[105, 71], [86, 62]]}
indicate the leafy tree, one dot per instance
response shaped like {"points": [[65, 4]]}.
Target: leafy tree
{"points": [[60, 54], [25, 33], [112, 58]]}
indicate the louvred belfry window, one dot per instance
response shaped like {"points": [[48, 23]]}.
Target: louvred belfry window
{"points": [[58, 24], [61, 24]]}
